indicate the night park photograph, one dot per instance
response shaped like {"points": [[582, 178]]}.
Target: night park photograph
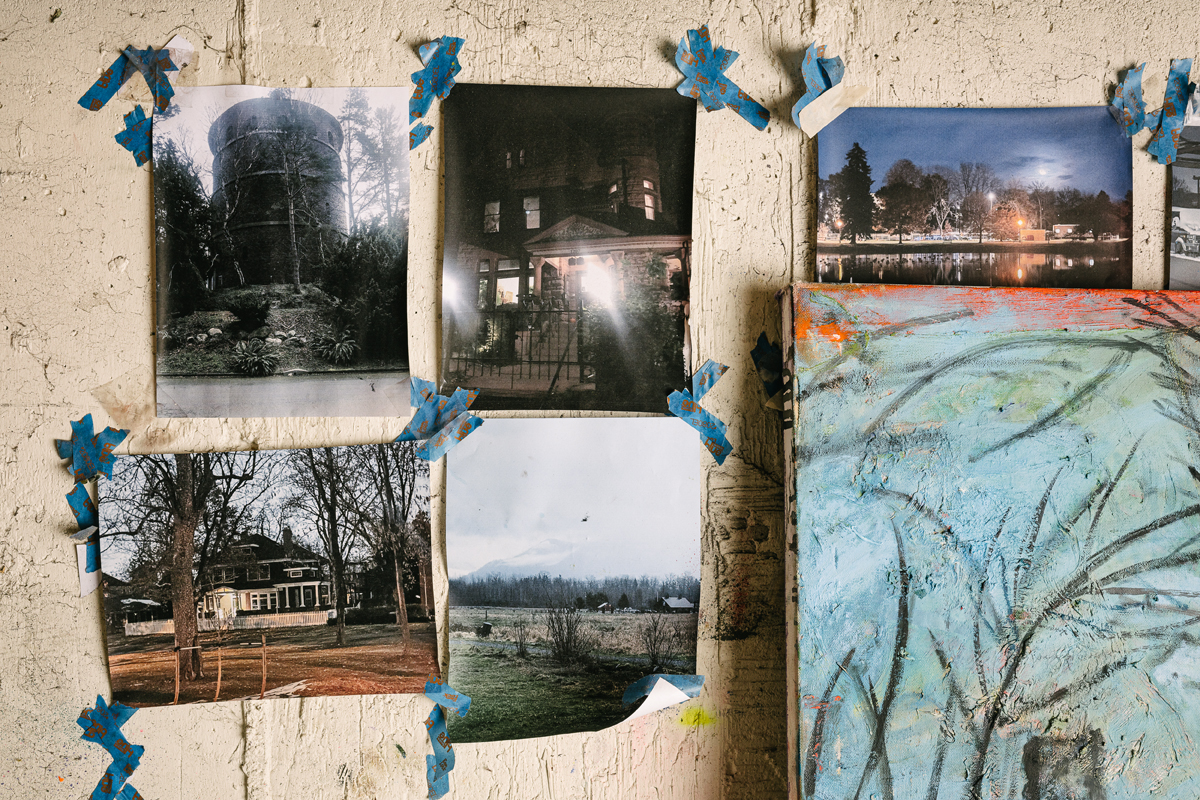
{"points": [[975, 197], [287, 573], [281, 252], [573, 552], [568, 230]]}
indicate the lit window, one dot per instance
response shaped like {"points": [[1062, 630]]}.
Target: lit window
{"points": [[649, 206], [648, 184], [508, 264], [491, 217], [485, 266], [521, 158], [533, 213], [506, 291], [613, 189], [508, 159]]}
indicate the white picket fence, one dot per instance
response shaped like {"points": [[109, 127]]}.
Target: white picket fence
{"points": [[295, 619]]}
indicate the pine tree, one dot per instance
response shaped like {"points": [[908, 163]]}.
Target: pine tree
{"points": [[854, 195]]}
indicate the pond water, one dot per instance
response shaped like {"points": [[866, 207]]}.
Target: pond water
{"points": [[1075, 271]]}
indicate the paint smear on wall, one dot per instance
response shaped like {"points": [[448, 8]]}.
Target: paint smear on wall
{"points": [[998, 523]]}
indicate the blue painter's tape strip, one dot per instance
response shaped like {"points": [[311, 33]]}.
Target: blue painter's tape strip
{"points": [[688, 684], [704, 68], [442, 421], [136, 136], [90, 453], [93, 555], [153, 64], [102, 725], [820, 74], [417, 136], [440, 58], [438, 765], [1164, 143], [129, 793], [706, 377], [1127, 105], [685, 406], [82, 507], [449, 436], [108, 84]]}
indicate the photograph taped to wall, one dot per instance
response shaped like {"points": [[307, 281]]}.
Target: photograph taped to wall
{"points": [[976, 197], [573, 549], [567, 246], [998, 534], [304, 573], [281, 252], [1184, 241]]}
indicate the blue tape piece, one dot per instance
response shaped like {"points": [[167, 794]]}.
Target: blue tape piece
{"points": [[1164, 144], [688, 684], [153, 64], [102, 725], [440, 58], [89, 453], [93, 555], [82, 506], [417, 136], [438, 765], [820, 74], [136, 136], [704, 78], [443, 421], [1127, 105], [683, 405], [706, 377], [768, 360], [129, 793]]}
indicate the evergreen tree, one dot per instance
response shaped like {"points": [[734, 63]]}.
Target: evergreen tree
{"points": [[854, 195]]}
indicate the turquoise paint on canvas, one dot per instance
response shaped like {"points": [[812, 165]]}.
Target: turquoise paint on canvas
{"points": [[998, 528]]}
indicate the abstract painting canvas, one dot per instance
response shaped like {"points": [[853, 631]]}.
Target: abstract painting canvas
{"points": [[997, 522]]}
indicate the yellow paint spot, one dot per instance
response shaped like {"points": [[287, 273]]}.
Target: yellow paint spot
{"points": [[696, 718]]}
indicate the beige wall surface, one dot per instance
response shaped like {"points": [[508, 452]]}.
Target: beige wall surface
{"points": [[76, 306]]}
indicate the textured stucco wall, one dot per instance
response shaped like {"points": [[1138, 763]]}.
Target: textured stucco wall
{"points": [[76, 308]]}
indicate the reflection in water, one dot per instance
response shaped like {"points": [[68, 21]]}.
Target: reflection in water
{"points": [[1078, 271]]}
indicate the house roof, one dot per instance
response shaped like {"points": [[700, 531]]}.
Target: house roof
{"points": [[264, 549], [678, 602]]}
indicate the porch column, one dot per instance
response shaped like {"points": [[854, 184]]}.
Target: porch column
{"points": [[537, 262], [287, 597]]}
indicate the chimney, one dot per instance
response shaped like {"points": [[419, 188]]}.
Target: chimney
{"points": [[287, 537]]}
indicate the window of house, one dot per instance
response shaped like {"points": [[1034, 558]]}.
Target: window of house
{"points": [[260, 572], [295, 573], [533, 213], [648, 184], [521, 158], [491, 217], [224, 575], [613, 189], [649, 206], [508, 159], [508, 264], [485, 265], [507, 290], [482, 297]]}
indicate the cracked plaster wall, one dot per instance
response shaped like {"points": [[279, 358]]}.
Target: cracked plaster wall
{"points": [[76, 311]]}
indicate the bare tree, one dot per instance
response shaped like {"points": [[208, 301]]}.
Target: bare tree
{"points": [[569, 642]]}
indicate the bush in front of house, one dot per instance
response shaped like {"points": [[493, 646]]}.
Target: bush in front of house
{"points": [[254, 358], [250, 306], [336, 347]]}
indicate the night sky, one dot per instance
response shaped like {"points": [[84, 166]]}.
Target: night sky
{"points": [[1081, 148]]}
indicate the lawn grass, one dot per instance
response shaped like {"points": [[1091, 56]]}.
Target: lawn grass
{"points": [[518, 698]]}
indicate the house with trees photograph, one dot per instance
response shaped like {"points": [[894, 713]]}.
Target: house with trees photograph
{"points": [[568, 245], [320, 550], [281, 233]]}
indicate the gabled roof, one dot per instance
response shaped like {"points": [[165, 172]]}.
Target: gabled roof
{"points": [[263, 548], [575, 228], [678, 602]]}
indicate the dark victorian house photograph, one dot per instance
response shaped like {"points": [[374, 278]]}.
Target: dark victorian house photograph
{"points": [[567, 246]]}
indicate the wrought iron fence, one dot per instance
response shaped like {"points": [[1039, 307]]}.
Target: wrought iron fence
{"points": [[521, 345]]}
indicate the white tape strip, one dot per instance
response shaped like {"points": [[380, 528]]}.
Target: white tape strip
{"points": [[829, 106]]}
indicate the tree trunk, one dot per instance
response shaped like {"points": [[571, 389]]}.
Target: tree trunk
{"points": [[291, 201], [183, 596], [401, 601], [335, 548]]}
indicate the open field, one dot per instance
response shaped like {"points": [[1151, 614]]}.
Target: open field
{"points": [[301, 662], [518, 698], [615, 635]]}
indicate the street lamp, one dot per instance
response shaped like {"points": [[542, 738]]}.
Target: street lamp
{"points": [[839, 225]]}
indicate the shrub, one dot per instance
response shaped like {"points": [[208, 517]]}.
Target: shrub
{"points": [[569, 642], [336, 347], [250, 306], [521, 636], [253, 358], [663, 642]]}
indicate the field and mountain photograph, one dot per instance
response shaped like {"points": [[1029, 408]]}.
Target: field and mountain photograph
{"points": [[975, 197], [288, 573], [573, 550], [281, 252]]}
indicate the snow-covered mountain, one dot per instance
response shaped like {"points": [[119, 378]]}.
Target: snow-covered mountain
{"points": [[589, 558]]}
